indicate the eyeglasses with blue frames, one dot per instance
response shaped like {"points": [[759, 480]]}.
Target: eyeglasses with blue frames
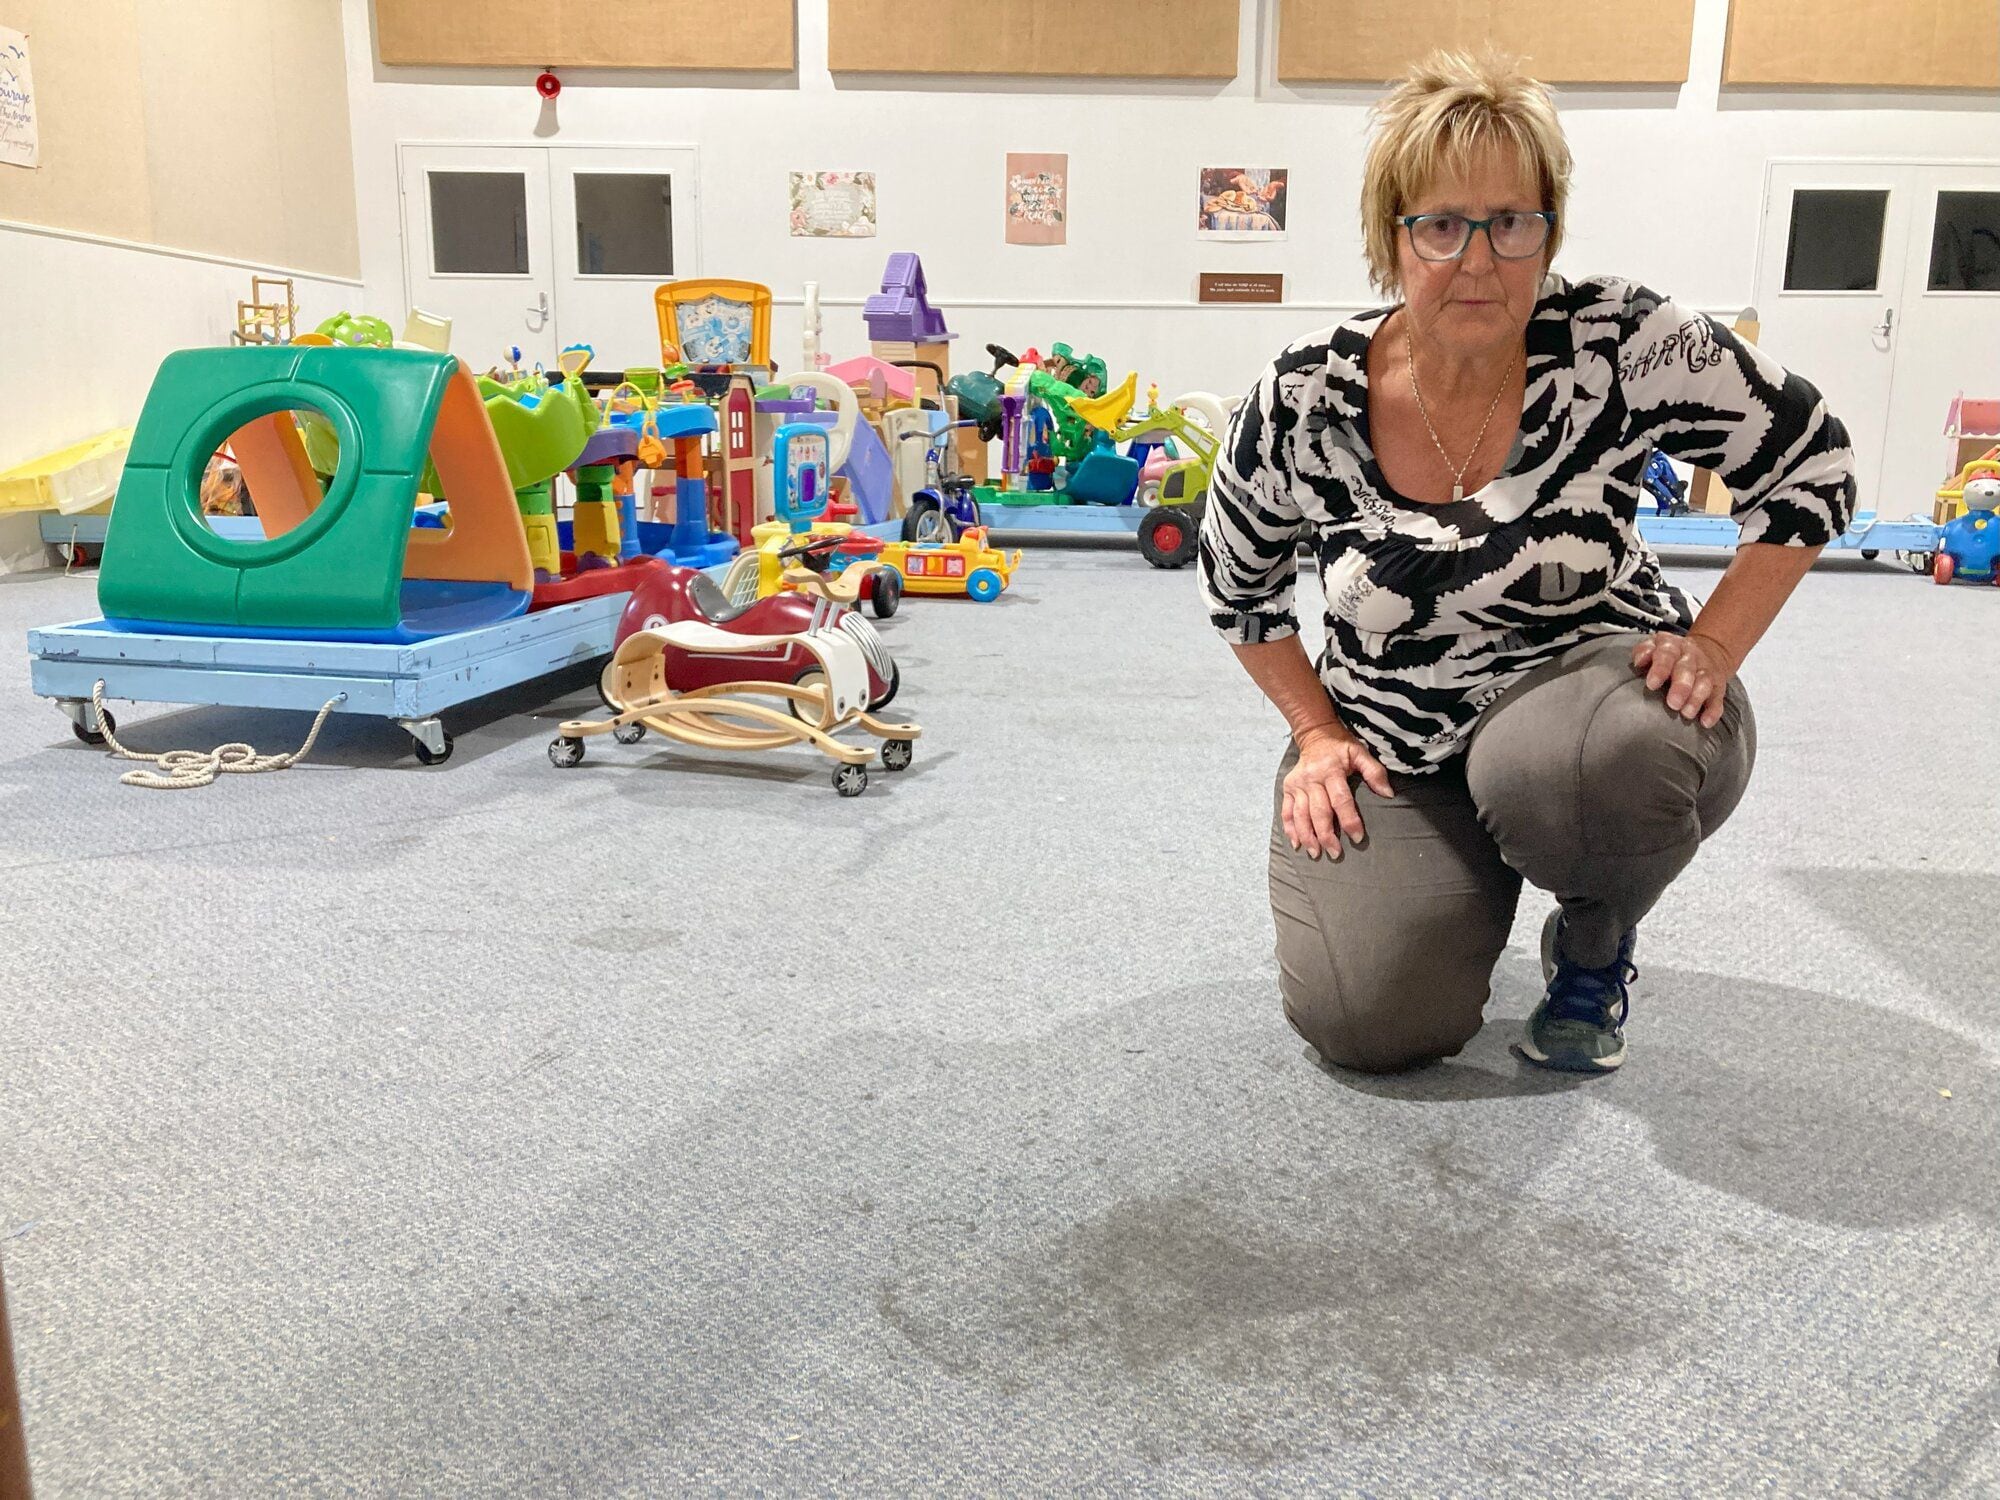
{"points": [[1513, 235]]}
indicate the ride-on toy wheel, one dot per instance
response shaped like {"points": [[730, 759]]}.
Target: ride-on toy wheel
{"points": [[1167, 536], [811, 677], [850, 781], [897, 755], [886, 592], [629, 734], [1942, 567], [895, 686], [927, 522], [984, 585], [429, 756], [564, 750]]}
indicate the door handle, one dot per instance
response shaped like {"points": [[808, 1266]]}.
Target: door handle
{"points": [[541, 307], [1882, 329]]}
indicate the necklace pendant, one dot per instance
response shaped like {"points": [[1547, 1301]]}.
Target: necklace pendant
{"points": [[1458, 492]]}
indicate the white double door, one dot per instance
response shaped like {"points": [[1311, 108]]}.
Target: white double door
{"points": [[538, 247], [1879, 282]]}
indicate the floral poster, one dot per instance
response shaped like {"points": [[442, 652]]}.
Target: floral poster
{"points": [[19, 145], [1242, 203], [1037, 198], [833, 205]]}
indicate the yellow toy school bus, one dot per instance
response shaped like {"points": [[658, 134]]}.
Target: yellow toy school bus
{"points": [[967, 566]]}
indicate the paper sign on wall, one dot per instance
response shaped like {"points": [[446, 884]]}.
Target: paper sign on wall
{"points": [[19, 143], [1037, 198], [833, 205]]}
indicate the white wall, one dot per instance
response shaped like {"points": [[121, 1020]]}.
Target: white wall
{"points": [[88, 322], [1669, 185]]}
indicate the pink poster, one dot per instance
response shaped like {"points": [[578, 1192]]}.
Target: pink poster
{"points": [[1037, 198]]}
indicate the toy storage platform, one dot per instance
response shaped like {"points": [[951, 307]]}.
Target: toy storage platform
{"points": [[63, 531], [409, 684], [1092, 520], [1867, 535]]}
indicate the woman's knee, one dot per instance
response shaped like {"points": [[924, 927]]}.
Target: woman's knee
{"points": [[1383, 1005], [1624, 777], [1375, 1044]]}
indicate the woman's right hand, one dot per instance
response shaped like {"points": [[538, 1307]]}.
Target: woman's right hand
{"points": [[1319, 801]]}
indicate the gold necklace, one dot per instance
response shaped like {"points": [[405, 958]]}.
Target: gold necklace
{"points": [[1457, 474]]}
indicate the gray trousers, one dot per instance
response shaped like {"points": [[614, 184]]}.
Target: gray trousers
{"points": [[1578, 780]]}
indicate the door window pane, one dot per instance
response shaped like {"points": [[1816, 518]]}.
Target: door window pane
{"points": [[624, 224], [1836, 243], [1965, 243], [479, 223]]}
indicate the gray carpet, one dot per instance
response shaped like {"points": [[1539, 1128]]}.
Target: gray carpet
{"points": [[671, 1126]]}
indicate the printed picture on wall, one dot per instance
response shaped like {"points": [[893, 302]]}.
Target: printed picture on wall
{"points": [[1037, 198], [20, 145], [833, 205], [1242, 203]]}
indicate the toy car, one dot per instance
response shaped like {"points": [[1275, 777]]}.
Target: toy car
{"points": [[967, 566], [667, 593]]}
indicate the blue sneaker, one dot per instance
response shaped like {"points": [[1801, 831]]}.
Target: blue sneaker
{"points": [[1580, 1025]]}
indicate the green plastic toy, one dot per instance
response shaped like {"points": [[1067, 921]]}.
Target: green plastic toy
{"points": [[345, 564]]}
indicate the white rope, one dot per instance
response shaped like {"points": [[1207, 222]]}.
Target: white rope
{"points": [[180, 769]]}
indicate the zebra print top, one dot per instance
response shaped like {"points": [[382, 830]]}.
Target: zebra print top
{"points": [[1433, 611]]}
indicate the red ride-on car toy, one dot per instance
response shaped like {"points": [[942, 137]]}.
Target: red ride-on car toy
{"points": [[667, 593]]}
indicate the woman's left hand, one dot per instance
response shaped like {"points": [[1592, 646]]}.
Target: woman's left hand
{"points": [[1694, 669]]}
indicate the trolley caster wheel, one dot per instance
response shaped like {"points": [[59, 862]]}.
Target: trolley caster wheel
{"points": [[1920, 562], [625, 734], [429, 756], [1869, 554], [565, 751], [94, 736], [850, 781], [897, 755]]}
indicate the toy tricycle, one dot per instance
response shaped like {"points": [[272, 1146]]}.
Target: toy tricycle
{"points": [[1969, 546], [946, 507], [831, 560]]}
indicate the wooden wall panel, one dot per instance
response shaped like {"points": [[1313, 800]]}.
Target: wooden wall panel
{"points": [[1911, 44], [728, 35], [1564, 41], [1045, 38]]}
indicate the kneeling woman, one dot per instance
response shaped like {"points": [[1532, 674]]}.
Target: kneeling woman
{"points": [[1510, 687]]}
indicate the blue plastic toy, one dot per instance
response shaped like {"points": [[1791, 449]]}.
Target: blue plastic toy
{"points": [[1969, 548]]}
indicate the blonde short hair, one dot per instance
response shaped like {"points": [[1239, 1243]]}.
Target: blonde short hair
{"points": [[1447, 109]]}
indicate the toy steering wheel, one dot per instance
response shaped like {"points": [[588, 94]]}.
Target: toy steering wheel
{"points": [[815, 552]]}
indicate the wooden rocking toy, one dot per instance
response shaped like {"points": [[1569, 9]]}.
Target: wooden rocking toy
{"points": [[730, 715]]}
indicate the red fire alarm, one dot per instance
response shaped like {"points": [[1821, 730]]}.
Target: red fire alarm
{"points": [[548, 85]]}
